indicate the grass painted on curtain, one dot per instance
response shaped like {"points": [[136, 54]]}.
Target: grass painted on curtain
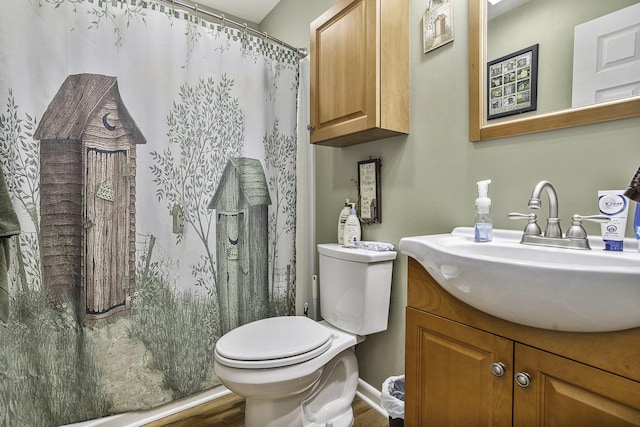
{"points": [[55, 366]]}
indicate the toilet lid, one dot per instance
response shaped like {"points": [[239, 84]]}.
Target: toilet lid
{"points": [[273, 342]]}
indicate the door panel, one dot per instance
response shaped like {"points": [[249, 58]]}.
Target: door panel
{"points": [[568, 393], [106, 231], [449, 378], [606, 63]]}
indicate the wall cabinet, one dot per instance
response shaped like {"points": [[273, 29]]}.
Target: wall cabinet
{"points": [[464, 367], [360, 72]]}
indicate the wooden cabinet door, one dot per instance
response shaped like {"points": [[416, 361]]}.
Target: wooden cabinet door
{"points": [[359, 52], [563, 392], [344, 70], [449, 379]]}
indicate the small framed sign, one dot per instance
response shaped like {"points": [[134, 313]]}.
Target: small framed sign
{"points": [[512, 83], [437, 24], [369, 190]]}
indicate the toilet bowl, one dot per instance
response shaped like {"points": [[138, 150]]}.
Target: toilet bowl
{"points": [[296, 372], [293, 371]]}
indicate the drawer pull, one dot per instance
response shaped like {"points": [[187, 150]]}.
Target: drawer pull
{"points": [[498, 368], [523, 379]]}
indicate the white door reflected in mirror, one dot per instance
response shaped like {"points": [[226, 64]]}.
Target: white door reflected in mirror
{"points": [[606, 58]]}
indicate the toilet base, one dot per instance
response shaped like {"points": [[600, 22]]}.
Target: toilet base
{"points": [[328, 403], [274, 413]]}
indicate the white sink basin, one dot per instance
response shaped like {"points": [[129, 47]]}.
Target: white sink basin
{"points": [[543, 287]]}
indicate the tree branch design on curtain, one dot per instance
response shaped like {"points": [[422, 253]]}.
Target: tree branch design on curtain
{"points": [[280, 158], [108, 11], [206, 127], [20, 163]]}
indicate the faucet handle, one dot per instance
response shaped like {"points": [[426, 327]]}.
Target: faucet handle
{"points": [[516, 215], [592, 218], [577, 231], [532, 227]]}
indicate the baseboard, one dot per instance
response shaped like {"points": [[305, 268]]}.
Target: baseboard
{"points": [[142, 418], [370, 395]]}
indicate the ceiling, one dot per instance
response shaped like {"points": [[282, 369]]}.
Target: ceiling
{"points": [[249, 10], [503, 6], [255, 10]]}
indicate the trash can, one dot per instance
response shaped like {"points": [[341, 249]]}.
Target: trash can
{"points": [[392, 400]]}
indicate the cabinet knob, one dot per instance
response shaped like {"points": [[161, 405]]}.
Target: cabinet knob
{"points": [[523, 379], [498, 368], [310, 127]]}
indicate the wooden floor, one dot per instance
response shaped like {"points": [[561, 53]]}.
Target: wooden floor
{"points": [[228, 411]]}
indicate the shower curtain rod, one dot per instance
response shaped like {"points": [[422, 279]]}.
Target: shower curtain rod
{"points": [[302, 52]]}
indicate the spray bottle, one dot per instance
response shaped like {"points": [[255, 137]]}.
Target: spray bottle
{"points": [[483, 222]]}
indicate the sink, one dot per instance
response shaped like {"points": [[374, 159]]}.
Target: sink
{"points": [[544, 287]]}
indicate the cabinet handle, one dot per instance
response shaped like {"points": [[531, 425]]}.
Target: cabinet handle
{"points": [[523, 379], [498, 368], [310, 127]]}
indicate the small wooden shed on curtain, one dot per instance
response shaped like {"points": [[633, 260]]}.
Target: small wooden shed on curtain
{"points": [[87, 195], [241, 202]]}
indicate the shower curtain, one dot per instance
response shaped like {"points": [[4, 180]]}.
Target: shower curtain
{"points": [[150, 158]]}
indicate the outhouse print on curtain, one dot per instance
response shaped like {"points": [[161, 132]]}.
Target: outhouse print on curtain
{"points": [[149, 165]]}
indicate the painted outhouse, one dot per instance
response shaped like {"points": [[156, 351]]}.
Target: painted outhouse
{"points": [[87, 195], [241, 204]]}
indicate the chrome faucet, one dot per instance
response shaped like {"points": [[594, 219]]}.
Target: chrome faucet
{"points": [[553, 222], [576, 237]]}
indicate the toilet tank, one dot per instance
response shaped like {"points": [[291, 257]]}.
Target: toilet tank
{"points": [[355, 288]]}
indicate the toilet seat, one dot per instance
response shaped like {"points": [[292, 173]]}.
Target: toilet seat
{"points": [[273, 342]]}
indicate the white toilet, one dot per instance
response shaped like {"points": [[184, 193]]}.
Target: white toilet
{"points": [[296, 372]]}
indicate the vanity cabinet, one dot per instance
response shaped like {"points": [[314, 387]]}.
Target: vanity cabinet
{"points": [[448, 374], [359, 53], [465, 367]]}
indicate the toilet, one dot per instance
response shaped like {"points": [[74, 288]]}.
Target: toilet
{"points": [[294, 371]]}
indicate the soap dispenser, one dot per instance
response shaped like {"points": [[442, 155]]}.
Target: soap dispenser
{"points": [[483, 223], [352, 230], [342, 220]]}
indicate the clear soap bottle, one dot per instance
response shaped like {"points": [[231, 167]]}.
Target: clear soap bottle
{"points": [[483, 223]]}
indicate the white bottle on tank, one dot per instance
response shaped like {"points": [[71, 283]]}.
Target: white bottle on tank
{"points": [[342, 220], [352, 230]]}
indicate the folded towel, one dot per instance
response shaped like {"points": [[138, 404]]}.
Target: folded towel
{"points": [[9, 226]]}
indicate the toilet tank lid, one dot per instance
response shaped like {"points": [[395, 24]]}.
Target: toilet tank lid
{"points": [[335, 250]]}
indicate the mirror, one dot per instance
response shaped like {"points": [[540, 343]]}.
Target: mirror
{"points": [[480, 129]]}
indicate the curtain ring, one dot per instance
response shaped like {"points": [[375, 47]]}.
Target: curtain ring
{"points": [[244, 31], [222, 19], [265, 36]]}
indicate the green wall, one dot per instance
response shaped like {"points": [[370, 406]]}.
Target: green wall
{"points": [[428, 177]]}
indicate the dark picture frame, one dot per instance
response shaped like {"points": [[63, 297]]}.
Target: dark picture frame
{"points": [[512, 83], [369, 191]]}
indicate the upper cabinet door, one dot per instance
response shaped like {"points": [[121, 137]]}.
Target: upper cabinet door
{"points": [[360, 72]]}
